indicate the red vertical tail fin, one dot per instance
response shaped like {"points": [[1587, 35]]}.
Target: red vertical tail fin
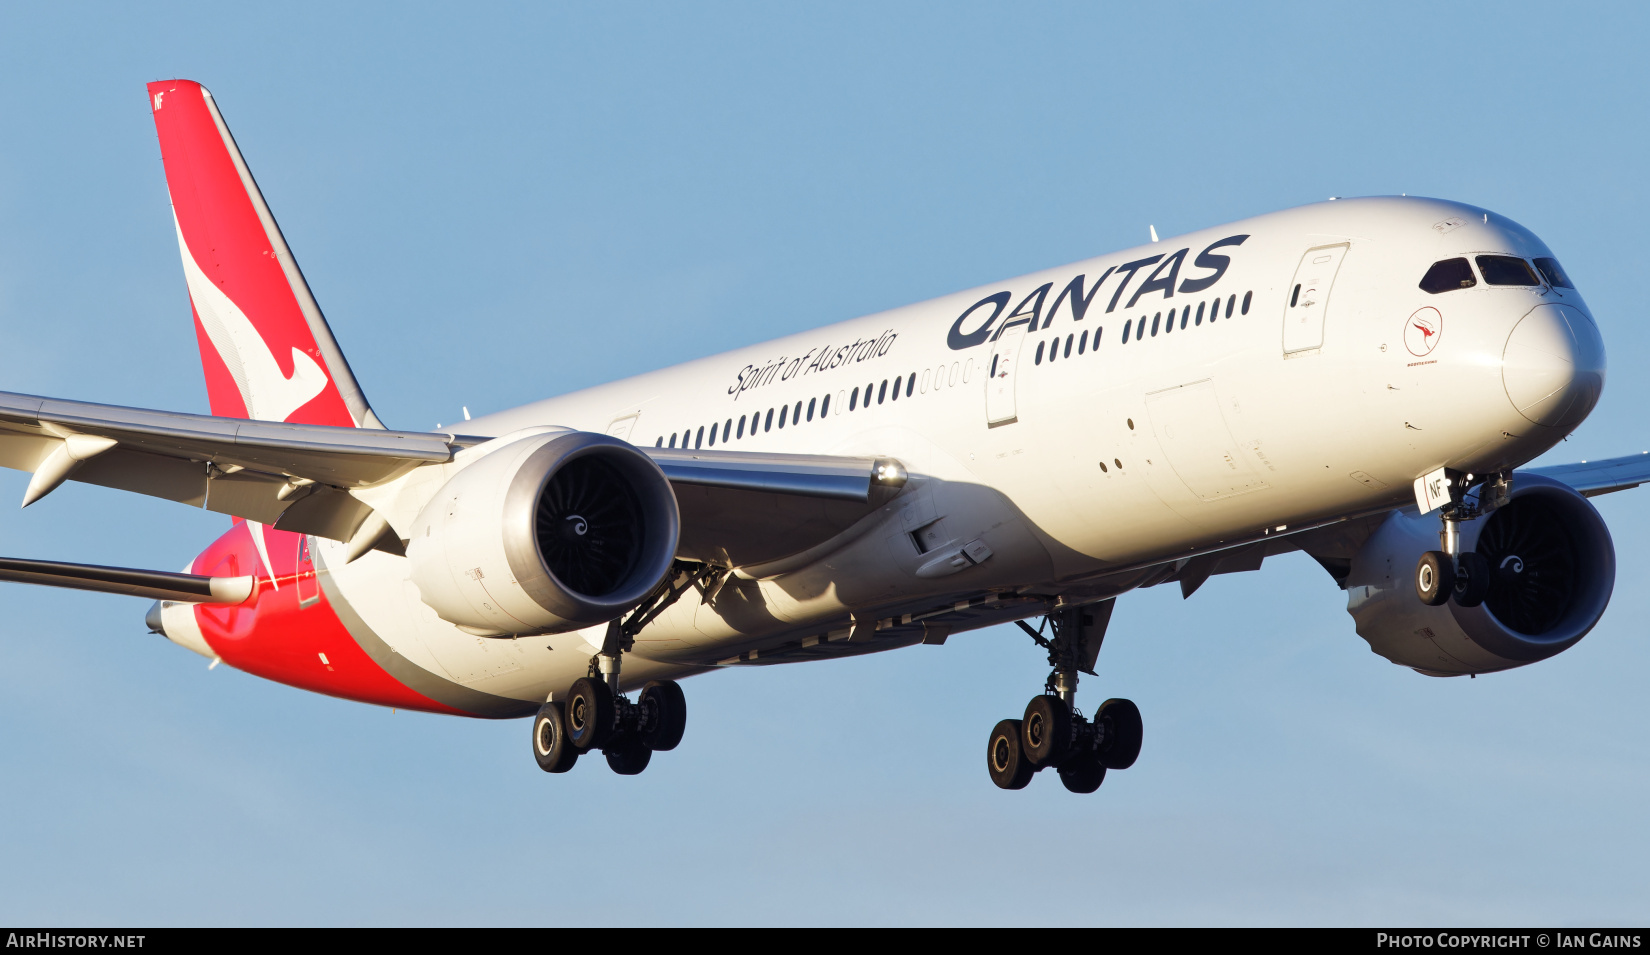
{"points": [[265, 347]]}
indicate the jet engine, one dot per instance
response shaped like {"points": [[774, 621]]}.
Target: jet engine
{"points": [[1552, 569], [546, 533]]}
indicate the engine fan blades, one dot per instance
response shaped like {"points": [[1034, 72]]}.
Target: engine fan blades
{"points": [[1533, 566], [589, 526]]}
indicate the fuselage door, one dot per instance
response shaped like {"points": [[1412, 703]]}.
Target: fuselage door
{"points": [[1308, 301], [1191, 428], [999, 383]]}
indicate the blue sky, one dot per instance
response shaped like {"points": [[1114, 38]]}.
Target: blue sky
{"points": [[496, 204]]}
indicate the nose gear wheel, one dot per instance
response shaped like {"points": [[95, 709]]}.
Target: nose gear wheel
{"points": [[1471, 578]]}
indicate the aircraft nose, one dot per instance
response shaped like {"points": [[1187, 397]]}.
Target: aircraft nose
{"points": [[1553, 367]]}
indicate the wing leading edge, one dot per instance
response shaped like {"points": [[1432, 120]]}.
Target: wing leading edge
{"points": [[1593, 478]]}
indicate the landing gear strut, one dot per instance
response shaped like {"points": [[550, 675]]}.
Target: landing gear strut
{"points": [[596, 715], [1441, 575], [1053, 732]]}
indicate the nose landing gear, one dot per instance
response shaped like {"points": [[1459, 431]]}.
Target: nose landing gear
{"points": [[1053, 733], [1442, 575]]}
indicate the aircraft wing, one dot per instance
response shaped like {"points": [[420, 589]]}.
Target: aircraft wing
{"points": [[1593, 478], [737, 507], [293, 476], [745, 509]]}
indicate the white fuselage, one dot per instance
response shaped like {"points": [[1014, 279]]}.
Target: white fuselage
{"points": [[1074, 472]]}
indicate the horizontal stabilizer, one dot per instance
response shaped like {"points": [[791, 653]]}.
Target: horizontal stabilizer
{"points": [[152, 584]]}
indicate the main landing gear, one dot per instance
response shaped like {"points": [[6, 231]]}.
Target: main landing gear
{"points": [[596, 716], [1443, 575], [1053, 732]]}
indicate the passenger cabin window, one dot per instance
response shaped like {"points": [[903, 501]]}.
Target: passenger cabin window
{"points": [[1506, 270], [1447, 276], [1553, 273]]}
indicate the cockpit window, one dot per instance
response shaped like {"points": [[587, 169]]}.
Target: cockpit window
{"points": [[1553, 273], [1448, 275], [1506, 270]]}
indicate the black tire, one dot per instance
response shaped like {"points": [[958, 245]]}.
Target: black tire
{"points": [[552, 749], [669, 708], [1082, 772], [1472, 579], [1123, 731], [1047, 728], [589, 714], [1434, 578], [628, 757], [1004, 760]]}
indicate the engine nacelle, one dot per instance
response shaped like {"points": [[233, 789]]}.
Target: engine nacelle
{"points": [[1553, 567], [551, 532]]}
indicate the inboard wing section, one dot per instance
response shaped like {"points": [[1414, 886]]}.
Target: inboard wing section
{"points": [[741, 508]]}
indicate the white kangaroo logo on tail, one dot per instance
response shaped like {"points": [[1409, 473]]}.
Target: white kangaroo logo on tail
{"points": [[268, 394]]}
